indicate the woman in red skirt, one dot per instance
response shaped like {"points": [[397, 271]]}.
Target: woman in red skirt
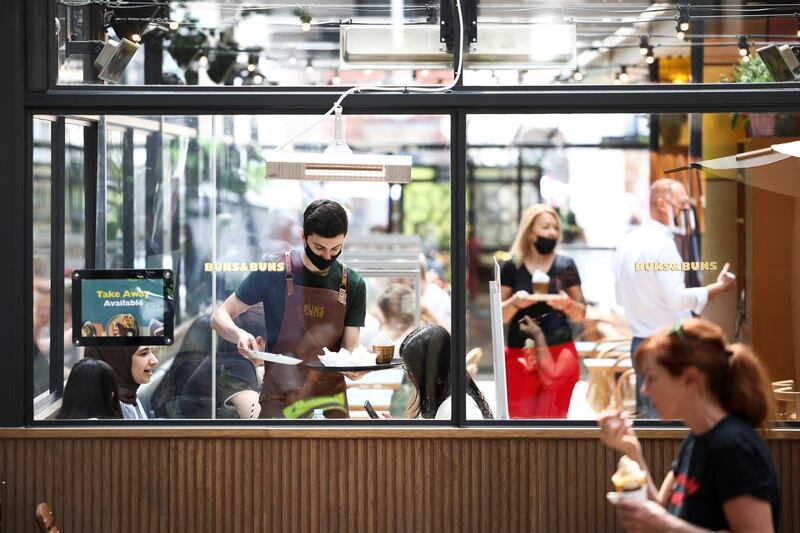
{"points": [[545, 286]]}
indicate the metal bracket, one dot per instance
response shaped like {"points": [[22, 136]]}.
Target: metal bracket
{"points": [[86, 48], [446, 24]]}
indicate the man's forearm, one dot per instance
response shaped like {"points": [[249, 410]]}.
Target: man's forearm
{"points": [[222, 323]]}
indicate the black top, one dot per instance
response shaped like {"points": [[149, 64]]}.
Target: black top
{"points": [[555, 325], [270, 287], [727, 461], [234, 374]]}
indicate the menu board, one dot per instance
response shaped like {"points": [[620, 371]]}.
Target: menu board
{"points": [[122, 307]]}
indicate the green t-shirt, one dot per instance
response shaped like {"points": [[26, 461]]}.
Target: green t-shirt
{"points": [[270, 287]]}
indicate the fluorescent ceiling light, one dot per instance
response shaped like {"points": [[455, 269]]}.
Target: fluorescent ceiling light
{"points": [[387, 46], [523, 46], [338, 163], [499, 46], [327, 167]]}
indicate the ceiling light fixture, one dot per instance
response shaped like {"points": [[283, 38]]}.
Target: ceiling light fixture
{"points": [[338, 163]]}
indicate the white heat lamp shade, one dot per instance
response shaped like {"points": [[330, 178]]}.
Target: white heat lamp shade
{"points": [[334, 167]]}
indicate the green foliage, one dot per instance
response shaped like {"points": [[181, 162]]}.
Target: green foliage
{"points": [[752, 71], [426, 212]]}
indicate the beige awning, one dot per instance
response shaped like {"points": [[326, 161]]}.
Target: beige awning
{"points": [[775, 169]]}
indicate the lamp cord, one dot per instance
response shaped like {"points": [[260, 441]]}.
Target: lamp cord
{"points": [[404, 88]]}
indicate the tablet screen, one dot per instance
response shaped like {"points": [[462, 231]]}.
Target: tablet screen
{"points": [[122, 307]]}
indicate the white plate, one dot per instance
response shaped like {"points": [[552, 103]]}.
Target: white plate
{"points": [[539, 297], [275, 358]]}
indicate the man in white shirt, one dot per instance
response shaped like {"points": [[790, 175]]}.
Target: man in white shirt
{"points": [[649, 274]]}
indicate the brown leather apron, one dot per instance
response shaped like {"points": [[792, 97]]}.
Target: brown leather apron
{"points": [[313, 318]]}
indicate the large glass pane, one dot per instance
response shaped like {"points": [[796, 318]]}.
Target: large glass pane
{"points": [[42, 220], [190, 194], [551, 43], [216, 42], [593, 188]]}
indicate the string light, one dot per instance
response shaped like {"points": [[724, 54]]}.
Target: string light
{"points": [[258, 79], [310, 67], [292, 60], [305, 22], [650, 57], [577, 75], [251, 67], [644, 44], [336, 80], [744, 48], [681, 34], [173, 25], [136, 38], [623, 74], [683, 17]]}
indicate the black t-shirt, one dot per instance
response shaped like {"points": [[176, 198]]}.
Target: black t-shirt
{"points": [[563, 275], [270, 287], [234, 374], [727, 461]]}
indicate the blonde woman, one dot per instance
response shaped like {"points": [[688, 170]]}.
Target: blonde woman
{"points": [[534, 250]]}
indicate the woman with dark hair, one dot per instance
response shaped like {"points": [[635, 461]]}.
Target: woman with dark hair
{"points": [[91, 392], [132, 366], [724, 477], [426, 357]]}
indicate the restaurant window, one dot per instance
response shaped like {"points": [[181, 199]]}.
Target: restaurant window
{"points": [[189, 195], [589, 176]]}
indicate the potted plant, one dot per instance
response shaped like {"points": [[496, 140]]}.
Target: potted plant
{"points": [[753, 70]]}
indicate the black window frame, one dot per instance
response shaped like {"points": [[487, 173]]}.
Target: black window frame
{"points": [[26, 58]]}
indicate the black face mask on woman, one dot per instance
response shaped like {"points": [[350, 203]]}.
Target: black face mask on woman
{"points": [[544, 245], [320, 262]]}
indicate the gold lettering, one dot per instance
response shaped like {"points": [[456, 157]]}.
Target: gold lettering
{"points": [[208, 267], [686, 266], [272, 267], [226, 267], [704, 265], [714, 265], [638, 267]]}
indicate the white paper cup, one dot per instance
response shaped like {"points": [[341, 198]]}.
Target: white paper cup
{"points": [[639, 494]]}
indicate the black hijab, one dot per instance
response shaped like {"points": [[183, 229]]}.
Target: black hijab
{"points": [[120, 359]]}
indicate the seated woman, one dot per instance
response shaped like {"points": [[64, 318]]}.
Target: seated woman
{"points": [[132, 366], [724, 477], [237, 380], [91, 392], [426, 357]]}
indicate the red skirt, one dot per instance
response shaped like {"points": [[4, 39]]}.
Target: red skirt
{"points": [[531, 395]]}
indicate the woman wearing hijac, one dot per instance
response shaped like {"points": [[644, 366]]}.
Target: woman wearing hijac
{"points": [[133, 366], [534, 249]]}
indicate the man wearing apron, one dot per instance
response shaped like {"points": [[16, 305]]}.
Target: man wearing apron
{"points": [[311, 301]]}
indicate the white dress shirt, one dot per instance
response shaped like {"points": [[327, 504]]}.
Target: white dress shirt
{"points": [[652, 298]]}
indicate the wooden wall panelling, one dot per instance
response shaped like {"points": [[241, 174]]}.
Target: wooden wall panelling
{"points": [[176, 480]]}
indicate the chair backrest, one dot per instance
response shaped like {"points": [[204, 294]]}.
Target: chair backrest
{"points": [[44, 518], [472, 359], [786, 383], [625, 390], [614, 349]]}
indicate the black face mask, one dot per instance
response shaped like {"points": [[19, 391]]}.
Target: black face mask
{"points": [[320, 262], [544, 245]]}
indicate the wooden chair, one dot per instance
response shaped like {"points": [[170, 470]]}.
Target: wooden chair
{"points": [[605, 347], [473, 358], [44, 519], [788, 401]]}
